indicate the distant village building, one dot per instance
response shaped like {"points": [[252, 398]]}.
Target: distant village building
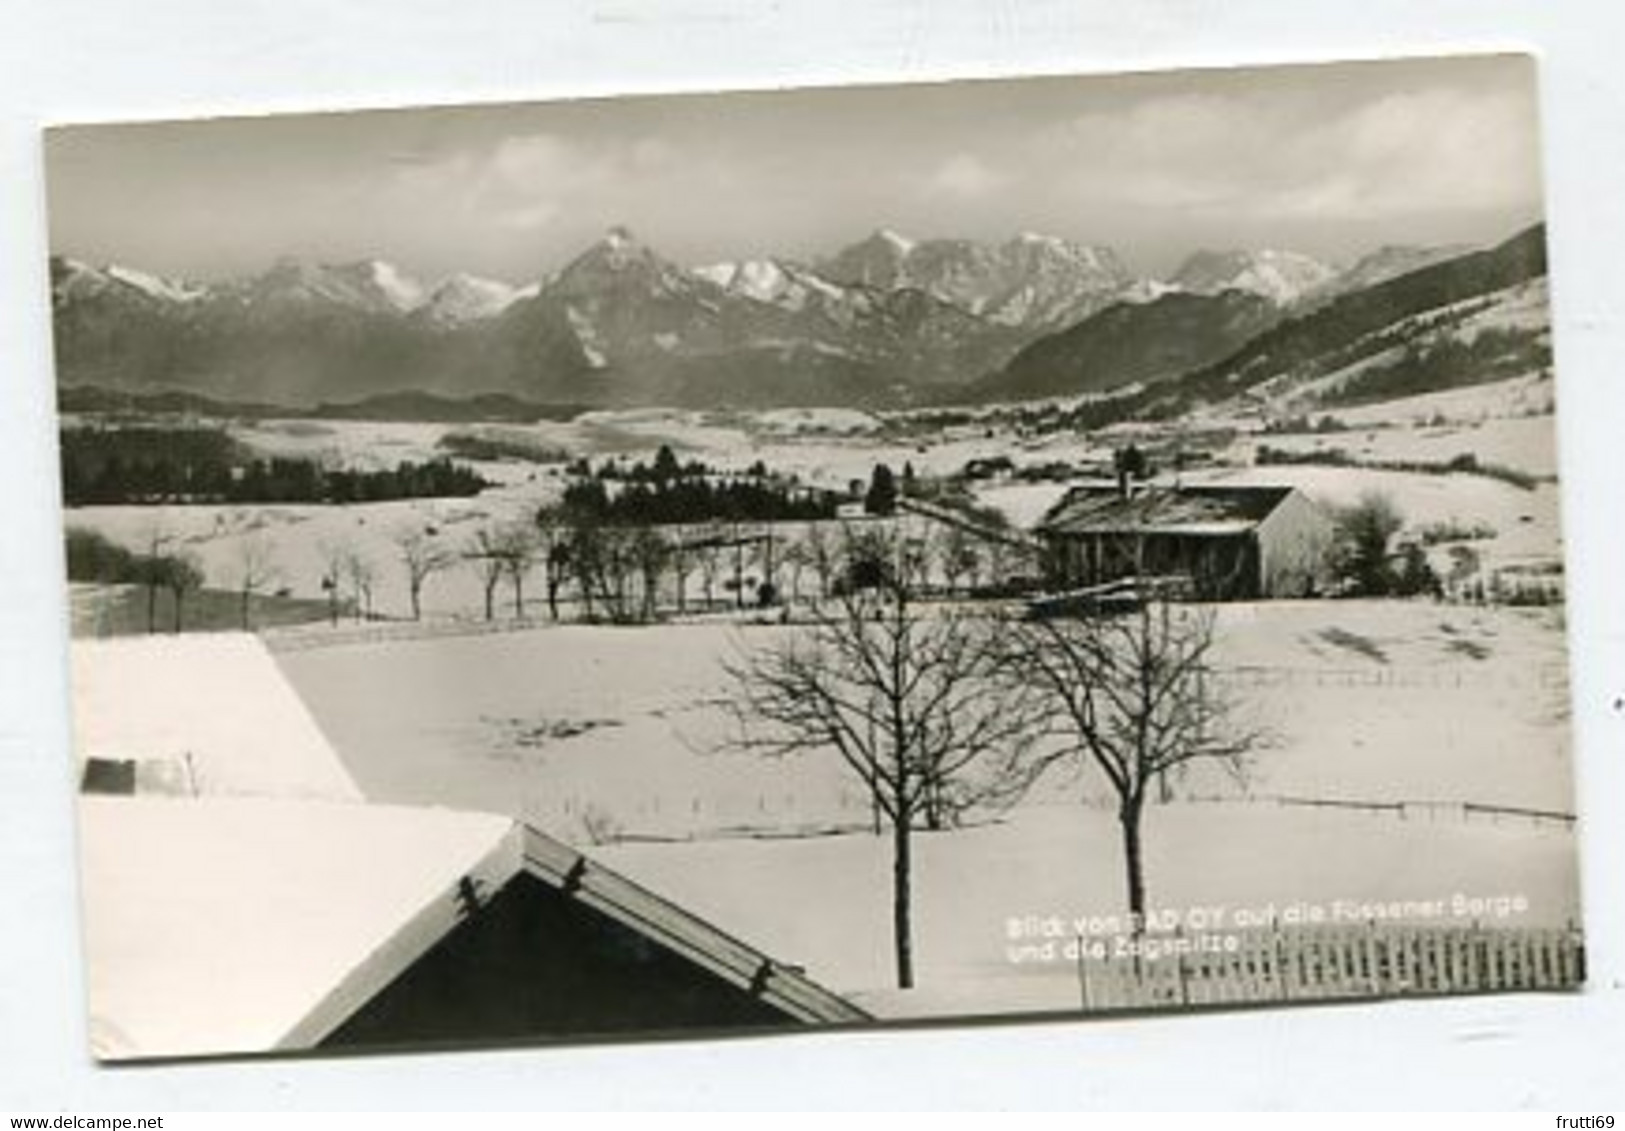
{"points": [[1228, 542]]}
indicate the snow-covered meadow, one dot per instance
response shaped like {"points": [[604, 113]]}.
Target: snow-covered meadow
{"points": [[617, 738]]}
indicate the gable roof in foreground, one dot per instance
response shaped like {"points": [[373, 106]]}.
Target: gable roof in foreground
{"points": [[222, 926]]}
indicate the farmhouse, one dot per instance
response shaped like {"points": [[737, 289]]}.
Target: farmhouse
{"points": [[1230, 542]]}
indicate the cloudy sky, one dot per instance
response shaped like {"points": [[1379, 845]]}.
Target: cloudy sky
{"points": [[1328, 160]]}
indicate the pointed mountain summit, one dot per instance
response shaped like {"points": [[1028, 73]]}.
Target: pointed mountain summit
{"points": [[878, 260], [370, 285], [74, 278], [618, 261], [1031, 280], [1283, 277], [463, 298]]}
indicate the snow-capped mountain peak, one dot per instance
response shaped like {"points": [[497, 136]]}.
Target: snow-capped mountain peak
{"points": [[401, 290], [896, 239], [75, 277], [764, 280], [370, 285], [464, 298], [168, 290], [1283, 277]]}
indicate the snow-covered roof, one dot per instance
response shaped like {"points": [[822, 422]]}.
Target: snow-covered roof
{"points": [[231, 925], [1195, 510], [201, 714]]}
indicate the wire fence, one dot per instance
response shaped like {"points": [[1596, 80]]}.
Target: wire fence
{"points": [[1401, 809]]}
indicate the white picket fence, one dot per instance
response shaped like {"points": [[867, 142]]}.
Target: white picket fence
{"points": [[1321, 963]]}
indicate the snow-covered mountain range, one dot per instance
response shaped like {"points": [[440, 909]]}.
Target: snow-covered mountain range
{"points": [[875, 322]]}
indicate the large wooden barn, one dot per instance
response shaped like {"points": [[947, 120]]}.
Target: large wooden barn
{"points": [[1229, 543]]}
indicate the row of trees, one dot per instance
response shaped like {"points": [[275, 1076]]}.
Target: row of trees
{"points": [[623, 573], [943, 710], [102, 466], [632, 572], [157, 569]]}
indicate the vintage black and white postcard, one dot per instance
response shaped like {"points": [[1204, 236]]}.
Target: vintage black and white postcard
{"points": [[708, 563]]}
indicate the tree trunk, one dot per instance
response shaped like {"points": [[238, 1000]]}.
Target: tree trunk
{"points": [[246, 597], [490, 600], [552, 597], [152, 609], [1129, 817], [902, 926], [518, 595], [177, 610], [417, 599]]}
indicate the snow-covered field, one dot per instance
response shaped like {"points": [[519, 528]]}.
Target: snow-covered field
{"points": [[300, 536], [626, 727], [615, 738], [610, 737], [824, 903], [1526, 443], [1525, 522]]}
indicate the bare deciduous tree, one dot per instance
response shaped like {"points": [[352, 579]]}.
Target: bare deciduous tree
{"points": [[422, 557], [1132, 692], [363, 575], [553, 536], [795, 557], [256, 569], [651, 552], [151, 567], [905, 696], [959, 555], [517, 545], [335, 555], [181, 575], [485, 555], [822, 556], [707, 552], [682, 565]]}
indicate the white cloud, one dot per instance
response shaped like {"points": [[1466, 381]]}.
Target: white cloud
{"points": [[1407, 153], [966, 177]]}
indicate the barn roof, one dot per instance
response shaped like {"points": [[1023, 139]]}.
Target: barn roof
{"points": [[223, 925], [233, 925], [1211, 510]]}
